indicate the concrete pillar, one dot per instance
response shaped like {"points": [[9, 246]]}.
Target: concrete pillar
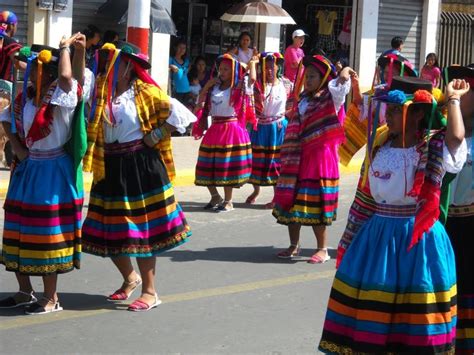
{"points": [[138, 23], [59, 25], [429, 29], [160, 48], [269, 39], [37, 23], [366, 40]]}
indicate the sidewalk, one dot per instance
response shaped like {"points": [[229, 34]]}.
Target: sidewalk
{"points": [[185, 152]]}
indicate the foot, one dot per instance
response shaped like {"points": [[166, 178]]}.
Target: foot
{"points": [[216, 200], [17, 300], [252, 198], [146, 302], [320, 257], [269, 205], [126, 290], [225, 206], [292, 251], [43, 306]]}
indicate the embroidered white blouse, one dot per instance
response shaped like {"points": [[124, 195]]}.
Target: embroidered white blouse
{"points": [[392, 173], [127, 124], [338, 94], [220, 100], [462, 193], [63, 114], [275, 100]]}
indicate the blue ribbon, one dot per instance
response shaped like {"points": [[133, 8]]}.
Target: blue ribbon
{"points": [[12, 101]]}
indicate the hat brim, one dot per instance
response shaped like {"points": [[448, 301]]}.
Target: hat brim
{"points": [[459, 72], [382, 62], [140, 61]]}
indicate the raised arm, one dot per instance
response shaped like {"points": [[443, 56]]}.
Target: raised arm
{"points": [[79, 59], [455, 131], [65, 69]]}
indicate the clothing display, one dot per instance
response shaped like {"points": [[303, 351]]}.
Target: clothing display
{"points": [[345, 35]]}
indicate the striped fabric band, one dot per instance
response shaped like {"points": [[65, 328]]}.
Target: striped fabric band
{"points": [[264, 120], [395, 211], [461, 211], [121, 148], [223, 119], [46, 154]]}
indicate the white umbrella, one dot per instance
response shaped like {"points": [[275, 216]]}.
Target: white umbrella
{"points": [[258, 12]]}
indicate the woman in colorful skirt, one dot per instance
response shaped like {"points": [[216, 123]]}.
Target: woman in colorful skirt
{"points": [[271, 91], [42, 231], [307, 189], [460, 222], [225, 153], [132, 209], [395, 287]]}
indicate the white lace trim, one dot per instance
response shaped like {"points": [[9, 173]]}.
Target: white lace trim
{"points": [[395, 159], [65, 99]]}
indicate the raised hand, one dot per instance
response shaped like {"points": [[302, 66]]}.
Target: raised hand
{"points": [[457, 88]]}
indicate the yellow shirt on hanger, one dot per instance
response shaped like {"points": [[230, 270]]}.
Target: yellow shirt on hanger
{"points": [[326, 21]]}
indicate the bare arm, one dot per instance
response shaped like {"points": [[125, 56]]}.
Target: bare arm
{"points": [[253, 70], [65, 68], [20, 151], [455, 131], [79, 59]]}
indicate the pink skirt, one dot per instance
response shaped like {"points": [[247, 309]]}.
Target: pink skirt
{"points": [[225, 155]]}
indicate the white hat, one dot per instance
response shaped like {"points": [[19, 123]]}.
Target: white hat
{"points": [[298, 33]]}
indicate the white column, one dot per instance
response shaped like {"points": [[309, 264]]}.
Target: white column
{"points": [[160, 47], [429, 30], [59, 25], [366, 41], [270, 34]]}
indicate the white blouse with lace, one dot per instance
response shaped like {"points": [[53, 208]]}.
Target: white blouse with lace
{"points": [[275, 100], [127, 126], [392, 173], [63, 113], [220, 100], [462, 193], [338, 94]]}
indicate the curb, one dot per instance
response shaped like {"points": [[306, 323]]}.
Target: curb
{"points": [[185, 177]]}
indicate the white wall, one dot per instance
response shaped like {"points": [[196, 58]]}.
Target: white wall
{"points": [[59, 25], [159, 53], [429, 32], [270, 34]]}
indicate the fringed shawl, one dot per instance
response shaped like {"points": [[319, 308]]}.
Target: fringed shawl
{"points": [[317, 127], [426, 187], [153, 108]]}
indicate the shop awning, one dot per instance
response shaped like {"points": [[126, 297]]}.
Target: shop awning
{"points": [[258, 12]]}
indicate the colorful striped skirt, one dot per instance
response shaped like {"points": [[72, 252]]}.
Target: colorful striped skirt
{"points": [[133, 211], [386, 299], [317, 189], [42, 230], [225, 154], [266, 143], [460, 232]]}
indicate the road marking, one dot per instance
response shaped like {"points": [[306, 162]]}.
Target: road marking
{"points": [[26, 321]]}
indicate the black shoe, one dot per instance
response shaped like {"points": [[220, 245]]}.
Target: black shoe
{"points": [[10, 302], [36, 308]]}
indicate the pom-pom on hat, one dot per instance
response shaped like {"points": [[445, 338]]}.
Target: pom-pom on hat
{"points": [[37, 52], [8, 17], [132, 52]]}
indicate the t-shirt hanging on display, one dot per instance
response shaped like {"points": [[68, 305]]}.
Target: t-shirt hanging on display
{"points": [[326, 40]]}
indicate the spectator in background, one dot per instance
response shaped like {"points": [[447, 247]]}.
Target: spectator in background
{"points": [[397, 46], [8, 23], [179, 66], [92, 34], [293, 55], [202, 72], [244, 51], [431, 70], [8, 46], [110, 36], [194, 85]]}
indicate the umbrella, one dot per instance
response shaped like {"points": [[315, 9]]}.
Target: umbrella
{"points": [[258, 12], [160, 18]]}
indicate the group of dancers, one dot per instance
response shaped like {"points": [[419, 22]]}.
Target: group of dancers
{"points": [[395, 289]]}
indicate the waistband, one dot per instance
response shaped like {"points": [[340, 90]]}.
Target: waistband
{"points": [[400, 211], [264, 120], [223, 119], [121, 148], [461, 211], [46, 154]]}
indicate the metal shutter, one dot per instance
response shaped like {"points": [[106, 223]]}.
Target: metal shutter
{"points": [[20, 8], [401, 18], [84, 13]]}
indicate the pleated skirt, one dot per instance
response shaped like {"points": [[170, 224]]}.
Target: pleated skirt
{"points": [[133, 211], [266, 143], [42, 230], [386, 299], [225, 155], [460, 231]]}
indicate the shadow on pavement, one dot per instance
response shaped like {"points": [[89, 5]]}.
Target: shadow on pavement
{"points": [[199, 207], [70, 302], [257, 255]]}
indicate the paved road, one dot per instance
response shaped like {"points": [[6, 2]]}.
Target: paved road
{"points": [[223, 292]]}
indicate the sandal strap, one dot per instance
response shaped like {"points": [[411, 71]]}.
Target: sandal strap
{"points": [[26, 293], [50, 300], [137, 304], [137, 281]]}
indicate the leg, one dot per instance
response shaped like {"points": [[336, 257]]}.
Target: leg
{"points": [[215, 198], [294, 249], [270, 205], [23, 296], [226, 205], [148, 299], [130, 278], [253, 196], [50, 296], [321, 254]]}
